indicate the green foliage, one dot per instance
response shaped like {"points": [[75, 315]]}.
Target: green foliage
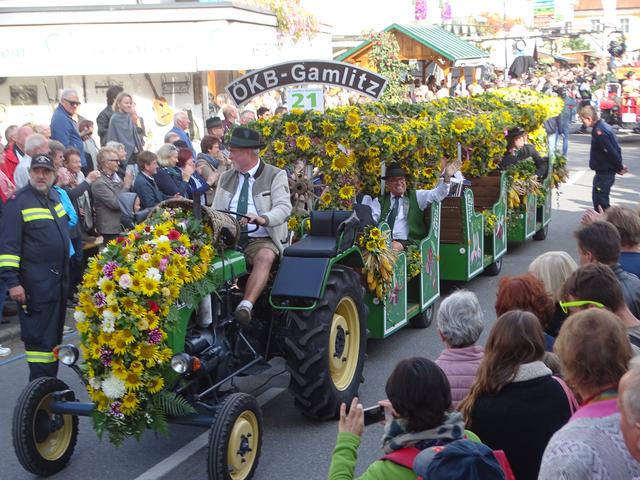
{"points": [[385, 58], [172, 404], [578, 43]]}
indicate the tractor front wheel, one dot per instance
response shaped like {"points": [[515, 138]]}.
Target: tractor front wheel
{"points": [[43, 441], [326, 347]]}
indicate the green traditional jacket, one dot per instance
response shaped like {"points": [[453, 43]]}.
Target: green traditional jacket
{"points": [[415, 220]]}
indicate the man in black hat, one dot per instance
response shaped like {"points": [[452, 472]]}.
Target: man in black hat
{"points": [[518, 151], [260, 192], [402, 208], [34, 256], [215, 128]]}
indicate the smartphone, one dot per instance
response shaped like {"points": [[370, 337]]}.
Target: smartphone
{"points": [[373, 415]]}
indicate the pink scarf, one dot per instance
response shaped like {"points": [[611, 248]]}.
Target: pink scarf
{"points": [[6, 187]]}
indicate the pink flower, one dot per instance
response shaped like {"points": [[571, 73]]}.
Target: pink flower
{"points": [[125, 281]]}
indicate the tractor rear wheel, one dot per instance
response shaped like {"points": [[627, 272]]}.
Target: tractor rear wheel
{"points": [[326, 347]]}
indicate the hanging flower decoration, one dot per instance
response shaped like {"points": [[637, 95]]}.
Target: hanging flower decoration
{"points": [[126, 307], [379, 259], [414, 261]]}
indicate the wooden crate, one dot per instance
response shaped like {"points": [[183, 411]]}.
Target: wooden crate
{"points": [[486, 191]]}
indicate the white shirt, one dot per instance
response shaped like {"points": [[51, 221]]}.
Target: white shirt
{"points": [[251, 207], [401, 226], [21, 173]]}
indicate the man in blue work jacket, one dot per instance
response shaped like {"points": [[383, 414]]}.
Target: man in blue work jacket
{"points": [[34, 259], [605, 157]]}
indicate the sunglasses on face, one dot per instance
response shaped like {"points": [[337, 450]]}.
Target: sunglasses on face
{"points": [[565, 306], [71, 102]]}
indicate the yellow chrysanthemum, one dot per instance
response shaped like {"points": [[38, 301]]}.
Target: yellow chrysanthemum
{"points": [[303, 143], [155, 384], [83, 327], [292, 223], [291, 128], [279, 146]]}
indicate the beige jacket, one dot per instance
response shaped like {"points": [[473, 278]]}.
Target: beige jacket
{"points": [[270, 196]]}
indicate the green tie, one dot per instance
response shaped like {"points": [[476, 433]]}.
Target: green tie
{"points": [[393, 213], [243, 203]]}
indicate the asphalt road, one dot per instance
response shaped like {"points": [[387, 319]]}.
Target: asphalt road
{"points": [[294, 447]]}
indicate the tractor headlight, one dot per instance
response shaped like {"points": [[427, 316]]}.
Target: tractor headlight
{"points": [[67, 354], [181, 363]]}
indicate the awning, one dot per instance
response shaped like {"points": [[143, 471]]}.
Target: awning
{"points": [[441, 41]]}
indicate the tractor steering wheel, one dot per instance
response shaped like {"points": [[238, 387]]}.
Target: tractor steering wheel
{"points": [[230, 212]]}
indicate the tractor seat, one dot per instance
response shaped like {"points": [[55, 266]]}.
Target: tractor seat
{"points": [[331, 232]]}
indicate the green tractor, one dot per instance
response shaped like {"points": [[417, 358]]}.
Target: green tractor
{"points": [[316, 314]]}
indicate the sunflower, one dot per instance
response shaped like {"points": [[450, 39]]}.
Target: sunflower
{"points": [[105, 338], [118, 368], [148, 353], [149, 286], [129, 403], [330, 149], [132, 381], [340, 163], [303, 143], [328, 128], [118, 272], [136, 366], [120, 346], [346, 192], [375, 233], [155, 384], [127, 303], [165, 355], [136, 281], [325, 198], [291, 128], [127, 336], [353, 119], [140, 265], [292, 223], [355, 132], [108, 287], [279, 146], [266, 131], [163, 249]]}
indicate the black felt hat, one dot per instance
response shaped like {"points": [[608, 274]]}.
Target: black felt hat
{"points": [[394, 170], [43, 161], [213, 122], [515, 132], [243, 137]]}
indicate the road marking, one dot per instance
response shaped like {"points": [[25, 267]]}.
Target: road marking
{"points": [[574, 177], [197, 444]]}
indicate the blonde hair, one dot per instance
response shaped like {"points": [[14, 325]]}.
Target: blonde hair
{"points": [[165, 152], [116, 104], [553, 269]]}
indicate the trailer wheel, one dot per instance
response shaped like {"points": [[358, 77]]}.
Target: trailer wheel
{"points": [[494, 268], [423, 319], [326, 347], [235, 439], [43, 441], [542, 233]]}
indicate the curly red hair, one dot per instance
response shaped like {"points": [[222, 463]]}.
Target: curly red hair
{"points": [[524, 292]]}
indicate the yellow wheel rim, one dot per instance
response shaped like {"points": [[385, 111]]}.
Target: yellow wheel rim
{"points": [[243, 445], [344, 343], [56, 443]]}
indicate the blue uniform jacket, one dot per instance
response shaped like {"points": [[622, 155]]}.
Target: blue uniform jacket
{"points": [[606, 155]]}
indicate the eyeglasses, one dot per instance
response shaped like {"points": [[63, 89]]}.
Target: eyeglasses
{"points": [[565, 306], [113, 160], [71, 102]]}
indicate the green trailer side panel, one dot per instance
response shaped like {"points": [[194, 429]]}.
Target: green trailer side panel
{"points": [[230, 264], [430, 253], [525, 227], [499, 237], [388, 316], [472, 250]]}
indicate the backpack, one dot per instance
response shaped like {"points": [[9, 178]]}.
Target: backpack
{"points": [[405, 457]]}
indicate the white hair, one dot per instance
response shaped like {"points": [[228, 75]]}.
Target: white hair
{"points": [[178, 115], [35, 142], [115, 145], [631, 396], [460, 319], [68, 92]]}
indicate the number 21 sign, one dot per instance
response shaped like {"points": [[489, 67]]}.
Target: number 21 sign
{"points": [[305, 99]]}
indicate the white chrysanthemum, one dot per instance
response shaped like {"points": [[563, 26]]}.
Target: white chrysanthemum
{"points": [[95, 383], [153, 273], [162, 238], [113, 387], [146, 257], [108, 322], [79, 316], [101, 280], [125, 281]]}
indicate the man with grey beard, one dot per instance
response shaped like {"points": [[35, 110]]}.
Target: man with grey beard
{"points": [[34, 259]]}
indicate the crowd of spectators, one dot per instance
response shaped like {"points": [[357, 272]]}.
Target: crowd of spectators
{"points": [[555, 391]]}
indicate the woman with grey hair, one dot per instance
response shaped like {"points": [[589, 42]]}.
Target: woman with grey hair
{"points": [[460, 323]]}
